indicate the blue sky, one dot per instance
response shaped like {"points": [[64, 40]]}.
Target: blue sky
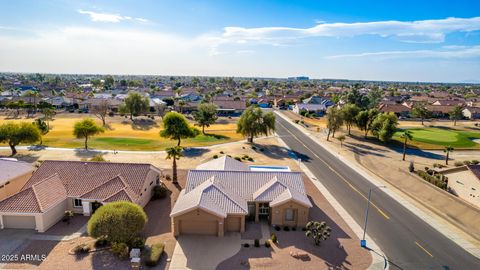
{"points": [[371, 40]]}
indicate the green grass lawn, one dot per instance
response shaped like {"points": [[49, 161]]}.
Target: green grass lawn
{"points": [[438, 138]]}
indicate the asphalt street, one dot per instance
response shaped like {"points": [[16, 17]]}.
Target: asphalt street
{"points": [[407, 241]]}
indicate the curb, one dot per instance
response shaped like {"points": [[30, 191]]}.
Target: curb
{"points": [[442, 228], [379, 260]]}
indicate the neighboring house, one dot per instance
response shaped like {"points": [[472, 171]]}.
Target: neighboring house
{"points": [[449, 102], [318, 109], [464, 182], [81, 187], [113, 104], [471, 113], [230, 107], [13, 177], [398, 109], [440, 111], [221, 194], [318, 100]]}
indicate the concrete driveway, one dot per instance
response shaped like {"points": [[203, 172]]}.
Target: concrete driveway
{"points": [[204, 252], [11, 239]]}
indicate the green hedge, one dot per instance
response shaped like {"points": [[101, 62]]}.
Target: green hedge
{"points": [[153, 254]]}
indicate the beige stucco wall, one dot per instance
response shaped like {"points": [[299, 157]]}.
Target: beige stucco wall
{"points": [[235, 221], [148, 187], [198, 216], [14, 186], [466, 185], [51, 216], [69, 206], [17, 221], [300, 214]]}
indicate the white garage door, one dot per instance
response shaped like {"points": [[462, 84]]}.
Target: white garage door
{"points": [[19, 222]]}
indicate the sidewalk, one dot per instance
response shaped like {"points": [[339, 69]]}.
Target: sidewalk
{"points": [[430, 218]]}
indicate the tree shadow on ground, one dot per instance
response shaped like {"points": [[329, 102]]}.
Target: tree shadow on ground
{"points": [[279, 152], [29, 158], [38, 147], [80, 152], [144, 124], [194, 152], [356, 148], [217, 136], [419, 153]]}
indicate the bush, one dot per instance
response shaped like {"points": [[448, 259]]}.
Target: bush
{"points": [[254, 147], [437, 180], [474, 162], [294, 228], [277, 228], [154, 254], [458, 163], [273, 237], [438, 165], [117, 221], [286, 228], [267, 244], [98, 158], [250, 159], [81, 249], [168, 177], [215, 156], [137, 242], [238, 158], [256, 243], [67, 216], [246, 245], [111, 114], [159, 192], [467, 162], [120, 250], [101, 242], [296, 121], [411, 167], [221, 152]]}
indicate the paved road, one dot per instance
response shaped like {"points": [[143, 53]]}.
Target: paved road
{"points": [[408, 242]]}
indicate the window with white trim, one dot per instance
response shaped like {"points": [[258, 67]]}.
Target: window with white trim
{"points": [[77, 203], [289, 214]]}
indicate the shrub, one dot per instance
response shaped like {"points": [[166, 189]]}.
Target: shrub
{"points": [[159, 192], [67, 216], [458, 163], [117, 221], [98, 158], [273, 237], [101, 242], [120, 250], [250, 159], [474, 162], [286, 228], [154, 254], [296, 121], [256, 243], [221, 152], [215, 156], [438, 165], [81, 249], [111, 114], [238, 158], [246, 245], [254, 147], [168, 177], [277, 228], [267, 244], [137, 242], [467, 162], [294, 228], [411, 167]]}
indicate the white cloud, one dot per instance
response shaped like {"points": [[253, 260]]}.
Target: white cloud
{"points": [[449, 52], [108, 17], [424, 31]]}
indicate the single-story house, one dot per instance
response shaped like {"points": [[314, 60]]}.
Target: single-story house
{"points": [[221, 194], [398, 109], [464, 181], [318, 109], [13, 177], [230, 107], [81, 187], [440, 111], [471, 113]]}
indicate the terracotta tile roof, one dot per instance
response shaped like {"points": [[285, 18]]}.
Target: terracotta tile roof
{"points": [[37, 198], [108, 189], [11, 169], [396, 108], [230, 104], [224, 163]]}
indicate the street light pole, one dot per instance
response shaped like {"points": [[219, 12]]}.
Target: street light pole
{"points": [[363, 243]]}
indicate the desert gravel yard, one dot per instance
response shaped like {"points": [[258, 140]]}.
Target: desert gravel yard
{"points": [[341, 251]]}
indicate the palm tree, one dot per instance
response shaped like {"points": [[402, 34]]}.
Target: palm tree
{"points": [[406, 135], [174, 153], [447, 150]]}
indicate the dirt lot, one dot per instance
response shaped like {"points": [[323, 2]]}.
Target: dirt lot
{"points": [[340, 251]]}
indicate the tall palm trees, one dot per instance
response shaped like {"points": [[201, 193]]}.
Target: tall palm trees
{"points": [[447, 150], [406, 135], [174, 153]]}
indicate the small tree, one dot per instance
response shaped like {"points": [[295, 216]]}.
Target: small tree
{"points": [[447, 150], [334, 121], [456, 114], [384, 126], [206, 115], [406, 136], [100, 110], [420, 111], [365, 119], [48, 114], [174, 153], [176, 127], [319, 231], [42, 127], [341, 138], [349, 114], [118, 222], [15, 134], [254, 122], [135, 104], [86, 129]]}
